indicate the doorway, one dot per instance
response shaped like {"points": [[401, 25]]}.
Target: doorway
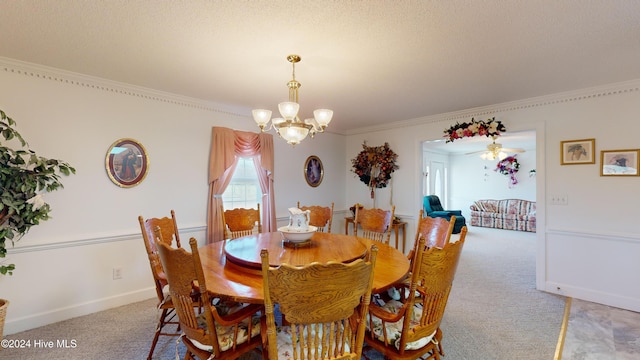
{"points": [[434, 170]]}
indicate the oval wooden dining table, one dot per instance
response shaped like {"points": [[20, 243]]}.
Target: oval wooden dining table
{"points": [[232, 268]]}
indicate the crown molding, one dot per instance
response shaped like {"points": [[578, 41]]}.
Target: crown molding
{"points": [[492, 110], [100, 84]]}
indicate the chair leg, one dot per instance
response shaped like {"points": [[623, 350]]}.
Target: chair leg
{"points": [[438, 337], [156, 336]]}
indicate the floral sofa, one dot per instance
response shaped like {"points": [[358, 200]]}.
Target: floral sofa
{"points": [[510, 214]]}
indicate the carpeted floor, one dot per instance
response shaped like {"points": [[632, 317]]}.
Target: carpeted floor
{"points": [[494, 312]]}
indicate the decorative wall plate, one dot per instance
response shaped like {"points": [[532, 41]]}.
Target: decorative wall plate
{"points": [[127, 162], [313, 171]]}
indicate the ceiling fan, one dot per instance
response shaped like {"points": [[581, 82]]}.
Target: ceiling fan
{"points": [[495, 151]]}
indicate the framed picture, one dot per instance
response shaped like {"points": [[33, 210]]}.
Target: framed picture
{"points": [[575, 152], [313, 171], [619, 162], [127, 163]]}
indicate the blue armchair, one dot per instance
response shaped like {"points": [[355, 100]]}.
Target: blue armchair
{"points": [[433, 208]]}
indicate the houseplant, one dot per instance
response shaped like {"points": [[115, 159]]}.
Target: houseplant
{"points": [[24, 178]]}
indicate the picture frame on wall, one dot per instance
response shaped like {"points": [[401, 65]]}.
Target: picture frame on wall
{"points": [[577, 152], [313, 171], [619, 162], [127, 162]]}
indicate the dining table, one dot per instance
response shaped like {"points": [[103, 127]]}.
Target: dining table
{"points": [[233, 268]]}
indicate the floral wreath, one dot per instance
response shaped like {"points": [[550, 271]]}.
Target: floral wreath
{"points": [[509, 166], [378, 161], [491, 127]]}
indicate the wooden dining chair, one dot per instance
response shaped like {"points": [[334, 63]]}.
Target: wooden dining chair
{"points": [[207, 333], [240, 222], [169, 229], [436, 232], [409, 328], [320, 216], [375, 223], [324, 305]]}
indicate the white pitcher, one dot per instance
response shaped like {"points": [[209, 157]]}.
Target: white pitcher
{"points": [[298, 219]]}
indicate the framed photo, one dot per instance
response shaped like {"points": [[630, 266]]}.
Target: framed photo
{"points": [[575, 152], [313, 171], [619, 162], [127, 163]]}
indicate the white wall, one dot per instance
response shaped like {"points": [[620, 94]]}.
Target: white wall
{"points": [[587, 249], [64, 265]]}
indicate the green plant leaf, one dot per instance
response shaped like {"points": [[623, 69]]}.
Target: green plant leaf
{"points": [[23, 175]]}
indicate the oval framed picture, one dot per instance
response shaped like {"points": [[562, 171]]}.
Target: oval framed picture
{"points": [[127, 162], [313, 171]]}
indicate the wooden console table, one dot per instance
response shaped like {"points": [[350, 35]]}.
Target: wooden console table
{"points": [[396, 226]]}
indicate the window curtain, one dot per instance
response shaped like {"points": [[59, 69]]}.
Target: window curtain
{"points": [[226, 146]]}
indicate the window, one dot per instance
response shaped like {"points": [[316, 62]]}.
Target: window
{"points": [[244, 189]]}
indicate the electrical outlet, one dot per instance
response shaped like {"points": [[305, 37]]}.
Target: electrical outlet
{"points": [[117, 273]]}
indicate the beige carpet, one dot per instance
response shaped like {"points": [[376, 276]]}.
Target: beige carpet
{"points": [[494, 312]]}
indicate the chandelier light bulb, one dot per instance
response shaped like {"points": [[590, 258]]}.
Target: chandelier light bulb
{"points": [[323, 117], [294, 134], [289, 109], [261, 117]]}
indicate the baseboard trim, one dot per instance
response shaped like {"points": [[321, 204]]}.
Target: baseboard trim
{"points": [[55, 315], [599, 297]]}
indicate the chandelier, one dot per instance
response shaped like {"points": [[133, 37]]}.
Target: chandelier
{"points": [[289, 126]]}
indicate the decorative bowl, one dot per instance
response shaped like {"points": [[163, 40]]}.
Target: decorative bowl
{"points": [[297, 236]]}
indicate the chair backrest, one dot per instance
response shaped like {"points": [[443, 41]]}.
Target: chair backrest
{"points": [[435, 231], [375, 223], [184, 271], [325, 304], [240, 222], [432, 277], [181, 269], [431, 203], [169, 229], [320, 216]]}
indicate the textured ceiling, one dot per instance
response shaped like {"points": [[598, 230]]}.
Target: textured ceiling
{"points": [[372, 62]]}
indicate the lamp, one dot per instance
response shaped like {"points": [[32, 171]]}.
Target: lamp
{"points": [[493, 152], [289, 126]]}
